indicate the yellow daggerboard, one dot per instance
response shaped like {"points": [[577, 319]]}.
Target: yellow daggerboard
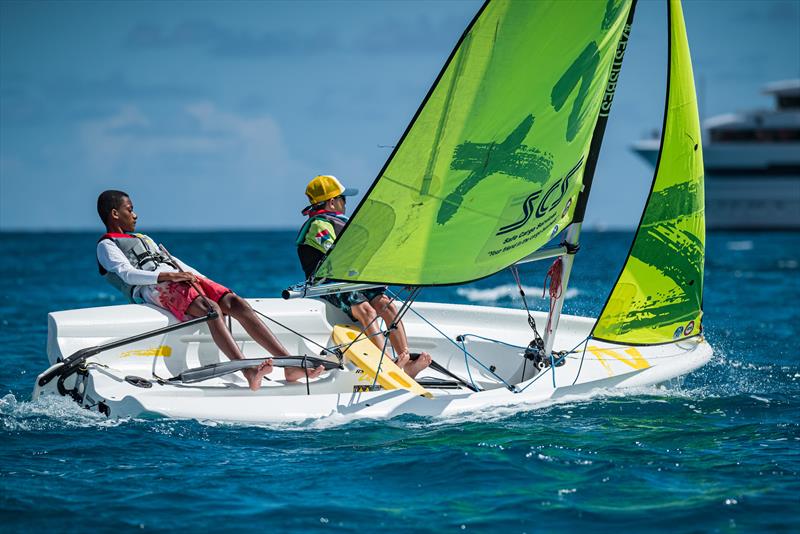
{"points": [[367, 357]]}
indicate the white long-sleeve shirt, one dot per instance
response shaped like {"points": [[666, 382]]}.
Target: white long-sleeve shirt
{"points": [[114, 261]]}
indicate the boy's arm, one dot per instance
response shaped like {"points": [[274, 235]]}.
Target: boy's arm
{"points": [[183, 266], [188, 268], [320, 235], [114, 261]]}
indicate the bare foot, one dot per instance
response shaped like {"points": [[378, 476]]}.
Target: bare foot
{"points": [[293, 374], [412, 368], [403, 359], [255, 375]]}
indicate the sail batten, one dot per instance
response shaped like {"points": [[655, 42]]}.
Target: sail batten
{"points": [[492, 165], [658, 295]]}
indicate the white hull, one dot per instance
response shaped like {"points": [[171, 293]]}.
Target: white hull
{"points": [[228, 398]]}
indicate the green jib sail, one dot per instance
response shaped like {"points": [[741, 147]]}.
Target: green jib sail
{"points": [[658, 295], [491, 166]]}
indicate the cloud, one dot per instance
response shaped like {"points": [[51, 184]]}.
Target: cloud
{"points": [[223, 41], [24, 101], [116, 86], [201, 129], [128, 135], [198, 166], [20, 102], [394, 35], [216, 167], [390, 35], [780, 13], [256, 143]]}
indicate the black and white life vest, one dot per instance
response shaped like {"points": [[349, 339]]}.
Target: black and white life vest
{"points": [[140, 250]]}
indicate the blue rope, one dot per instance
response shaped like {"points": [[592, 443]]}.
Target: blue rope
{"points": [[553, 364], [465, 336], [383, 329], [380, 362], [581, 365], [498, 341], [462, 347], [500, 378], [466, 364]]}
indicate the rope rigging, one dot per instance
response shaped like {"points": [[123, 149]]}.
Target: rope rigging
{"points": [[401, 312], [557, 362], [462, 347], [554, 273], [339, 349], [535, 349]]}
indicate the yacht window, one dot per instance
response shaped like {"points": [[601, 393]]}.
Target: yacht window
{"points": [[789, 102], [759, 135]]}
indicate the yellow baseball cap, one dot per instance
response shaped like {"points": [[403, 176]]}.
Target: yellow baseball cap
{"points": [[325, 187]]}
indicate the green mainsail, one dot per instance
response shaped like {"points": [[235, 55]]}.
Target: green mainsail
{"points": [[491, 166], [658, 296]]}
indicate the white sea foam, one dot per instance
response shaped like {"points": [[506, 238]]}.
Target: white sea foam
{"points": [[492, 295], [739, 245], [47, 412]]}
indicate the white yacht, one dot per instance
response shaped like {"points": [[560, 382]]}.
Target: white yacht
{"points": [[752, 164]]}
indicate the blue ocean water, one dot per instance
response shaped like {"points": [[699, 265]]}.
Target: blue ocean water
{"points": [[719, 453]]}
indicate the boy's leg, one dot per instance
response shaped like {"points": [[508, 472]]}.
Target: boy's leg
{"points": [[234, 305], [365, 314], [223, 339], [388, 311]]}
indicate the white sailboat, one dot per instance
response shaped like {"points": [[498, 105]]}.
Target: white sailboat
{"points": [[498, 160]]}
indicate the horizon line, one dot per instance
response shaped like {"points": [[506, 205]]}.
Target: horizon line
{"points": [[82, 230]]}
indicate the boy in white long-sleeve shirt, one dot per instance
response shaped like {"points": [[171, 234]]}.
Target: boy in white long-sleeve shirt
{"points": [[134, 264]]}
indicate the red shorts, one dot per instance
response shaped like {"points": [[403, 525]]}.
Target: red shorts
{"points": [[178, 296]]}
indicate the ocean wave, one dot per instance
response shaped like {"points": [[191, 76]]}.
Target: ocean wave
{"points": [[739, 245], [49, 412], [591, 399], [484, 415], [491, 295]]}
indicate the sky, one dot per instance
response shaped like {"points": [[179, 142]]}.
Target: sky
{"points": [[215, 115]]}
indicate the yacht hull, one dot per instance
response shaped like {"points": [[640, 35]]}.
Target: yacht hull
{"points": [[746, 187]]}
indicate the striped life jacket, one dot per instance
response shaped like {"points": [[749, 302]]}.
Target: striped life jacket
{"points": [[140, 250]]}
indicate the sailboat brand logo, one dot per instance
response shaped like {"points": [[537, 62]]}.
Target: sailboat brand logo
{"points": [[537, 205], [613, 77], [484, 160]]}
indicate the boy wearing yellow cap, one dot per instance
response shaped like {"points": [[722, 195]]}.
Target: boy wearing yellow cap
{"points": [[326, 219]]}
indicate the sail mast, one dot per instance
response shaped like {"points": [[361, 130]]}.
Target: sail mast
{"points": [[602, 119], [554, 315]]}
